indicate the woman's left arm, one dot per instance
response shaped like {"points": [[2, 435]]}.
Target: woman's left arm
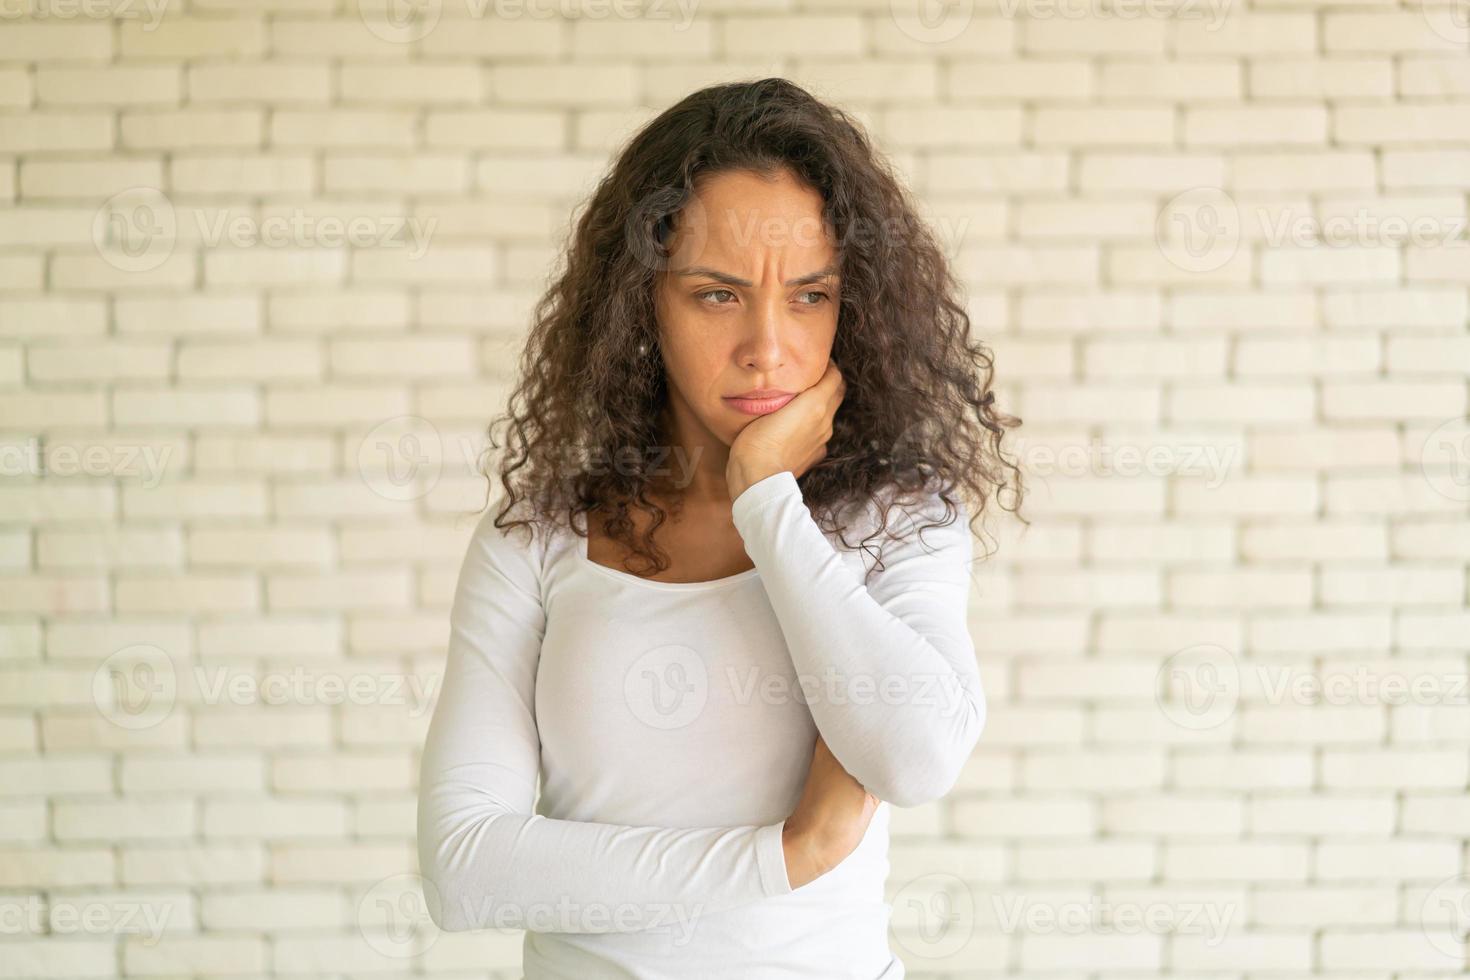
{"points": [[888, 670]]}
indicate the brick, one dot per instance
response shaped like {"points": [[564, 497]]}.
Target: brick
{"points": [[1338, 78], [124, 85], [281, 82], [60, 40], [1056, 817], [434, 84], [187, 38], [791, 36]]}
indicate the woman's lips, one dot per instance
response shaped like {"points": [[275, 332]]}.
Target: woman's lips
{"points": [[758, 406]]}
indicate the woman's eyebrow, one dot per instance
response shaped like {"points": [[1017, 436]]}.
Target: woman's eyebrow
{"points": [[730, 280]]}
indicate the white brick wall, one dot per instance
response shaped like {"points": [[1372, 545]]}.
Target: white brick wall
{"points": [[1219, 250]]}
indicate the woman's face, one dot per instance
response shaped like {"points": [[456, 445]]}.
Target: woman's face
{"points": [[749, 302]]}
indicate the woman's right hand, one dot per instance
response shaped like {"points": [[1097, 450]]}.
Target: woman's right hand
{"points": [[829, 821]]}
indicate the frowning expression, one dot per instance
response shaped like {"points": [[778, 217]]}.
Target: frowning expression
{"points": [[749, 305]]}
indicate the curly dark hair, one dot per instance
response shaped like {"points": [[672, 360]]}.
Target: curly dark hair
{"points": [[918, 417]]}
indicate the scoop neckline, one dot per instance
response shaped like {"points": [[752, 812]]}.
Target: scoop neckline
{"points": [[629, 577]]}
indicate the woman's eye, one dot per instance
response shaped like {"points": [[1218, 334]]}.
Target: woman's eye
{"points": [[821, 297]]}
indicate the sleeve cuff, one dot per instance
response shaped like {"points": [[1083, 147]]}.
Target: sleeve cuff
{"points": [[782, 483], [771, 856]]}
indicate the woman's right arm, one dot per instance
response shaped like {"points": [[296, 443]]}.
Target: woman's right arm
{"points": [[490, 862]]}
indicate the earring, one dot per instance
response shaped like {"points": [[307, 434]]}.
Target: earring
{"points": [[643, 349]]}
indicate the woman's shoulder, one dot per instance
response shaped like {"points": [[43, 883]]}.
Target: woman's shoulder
{"points": [[513, 545], [901, 510]]}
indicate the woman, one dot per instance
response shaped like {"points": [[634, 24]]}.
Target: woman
{"points": [[752, 332]]}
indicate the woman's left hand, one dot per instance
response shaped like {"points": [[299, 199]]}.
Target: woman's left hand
{"points": [[793, 437]]}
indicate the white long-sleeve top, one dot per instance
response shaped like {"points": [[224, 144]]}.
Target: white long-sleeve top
{"points": [[672, 727]]}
